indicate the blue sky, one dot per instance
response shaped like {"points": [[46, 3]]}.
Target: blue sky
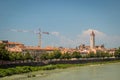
{"points": [[68, 21]]}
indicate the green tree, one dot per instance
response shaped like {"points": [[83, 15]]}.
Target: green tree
{"points": [[12, 56], [91, 55], [103, 55], [98, 54], [27, 56], [117, 52], [51, 56], [66, 56], [44, 56], [57, 54], [76, 55], [18, 56], [108, 55], [4, 54]]}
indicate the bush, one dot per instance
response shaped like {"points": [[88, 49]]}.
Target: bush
{"points": [[33, 75], [28, 76], [2, 73], [49, 67]]}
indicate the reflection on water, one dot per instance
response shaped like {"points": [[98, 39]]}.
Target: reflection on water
{"points": [[91, 72]]}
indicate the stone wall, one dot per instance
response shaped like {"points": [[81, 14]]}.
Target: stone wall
{"points": [[42, 63]]}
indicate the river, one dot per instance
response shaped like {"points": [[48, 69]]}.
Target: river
{"points": [[91, 72]]}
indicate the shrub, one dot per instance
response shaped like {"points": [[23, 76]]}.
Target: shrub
{"points": [[33, 75], [28, 76], [2, 73], [49, 67]]}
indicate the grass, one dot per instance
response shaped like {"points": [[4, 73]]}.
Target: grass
{"points": [[26, 69]]}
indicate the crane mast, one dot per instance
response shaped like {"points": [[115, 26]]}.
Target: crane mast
{"points": [[39, 37]]}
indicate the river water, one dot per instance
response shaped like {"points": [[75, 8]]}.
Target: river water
{"points": [[91, 72]]}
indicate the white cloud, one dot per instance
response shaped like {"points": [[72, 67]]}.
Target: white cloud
{"points": [[98, 33], [55, 33], [17, 30], [62, 40], [83, 38], [100, 38]]}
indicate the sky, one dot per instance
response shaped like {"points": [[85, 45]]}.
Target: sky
{"points": [[69, 22]]}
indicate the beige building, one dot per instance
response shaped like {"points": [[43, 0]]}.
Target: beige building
{"points": [[35, 51], [13, 46], [19, 47]]}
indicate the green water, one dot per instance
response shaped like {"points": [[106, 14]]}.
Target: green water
{"points": [[90, 72]]}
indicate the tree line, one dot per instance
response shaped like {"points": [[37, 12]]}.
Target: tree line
{"points": [[5, 55], [76, 55]]}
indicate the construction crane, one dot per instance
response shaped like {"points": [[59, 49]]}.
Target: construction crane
{"points": [[39, 32], [40, 37]]}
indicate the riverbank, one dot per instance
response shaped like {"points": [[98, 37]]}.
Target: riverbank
{"points": [[26, 69]]}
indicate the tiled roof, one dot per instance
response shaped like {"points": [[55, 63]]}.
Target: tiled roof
{"points": [[36, 48], [14, 43]]}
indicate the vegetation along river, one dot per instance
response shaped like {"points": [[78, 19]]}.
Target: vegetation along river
{"points": [[91, 72]]}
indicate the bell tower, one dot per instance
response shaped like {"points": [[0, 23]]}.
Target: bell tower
{"points": [[92, 40]]}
